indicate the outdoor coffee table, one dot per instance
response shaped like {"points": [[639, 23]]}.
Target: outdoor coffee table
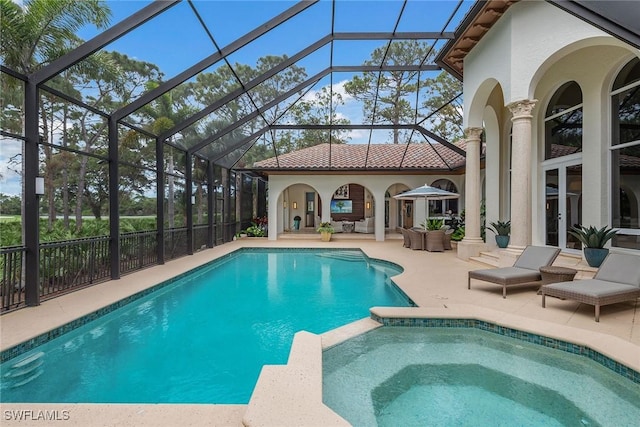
{"points": [[555, 274], [348, 226]]}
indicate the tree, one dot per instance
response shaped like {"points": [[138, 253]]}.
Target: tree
{"points": [[385, 95], [40, 31], [165, 112], [445, 120], [210, 87], [321, 110], [43, 30]]}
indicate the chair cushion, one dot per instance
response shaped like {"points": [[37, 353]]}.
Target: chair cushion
{"points": [[534, 257], [507, 275], [592, 287], [620, 268]]}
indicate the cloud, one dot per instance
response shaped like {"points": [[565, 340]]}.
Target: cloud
{"points": [[10, 180], [337, 88]]}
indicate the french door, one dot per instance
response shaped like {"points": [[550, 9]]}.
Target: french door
{"points": [[563, 202]]}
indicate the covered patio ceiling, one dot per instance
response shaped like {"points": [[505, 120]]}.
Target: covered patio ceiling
{"points": [[273, 57]]}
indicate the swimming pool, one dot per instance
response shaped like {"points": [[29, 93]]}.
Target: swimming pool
{"points": [[434, 376], [205, 337]]}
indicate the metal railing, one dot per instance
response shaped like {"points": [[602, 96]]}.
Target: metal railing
{"points": [[175, 242], [72, 264], [11, 286], [200, 237], [138, 250]]}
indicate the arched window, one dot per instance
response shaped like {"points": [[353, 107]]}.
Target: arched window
{"points": [[442, 207], [563, 122], [625, 156]]}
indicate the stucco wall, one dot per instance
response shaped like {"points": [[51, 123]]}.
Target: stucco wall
{"points": [[531, 51], [517, 49]]}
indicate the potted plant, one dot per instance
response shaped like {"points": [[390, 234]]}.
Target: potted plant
{"points": [[433, 224], [502, 229], [593, 239], [326, 230], [255, 231]]}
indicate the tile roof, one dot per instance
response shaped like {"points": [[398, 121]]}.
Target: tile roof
{"points": [[367, 156]]}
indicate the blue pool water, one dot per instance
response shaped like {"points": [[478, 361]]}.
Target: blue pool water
{"points": [[404, 376], [204, 338]]}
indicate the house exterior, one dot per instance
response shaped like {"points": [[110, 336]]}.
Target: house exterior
{"points": [[555, 89], [316, 183], [552, 94]]}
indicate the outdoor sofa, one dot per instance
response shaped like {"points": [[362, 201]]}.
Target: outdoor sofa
{"points": [[617, 280], [524, 270]]}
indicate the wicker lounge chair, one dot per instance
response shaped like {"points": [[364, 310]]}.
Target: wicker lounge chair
{"points": [[617, 280], [525, 269]]}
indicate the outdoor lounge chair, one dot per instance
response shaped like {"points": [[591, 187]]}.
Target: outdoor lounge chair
{"points": [[525, 269], [617, 280]]}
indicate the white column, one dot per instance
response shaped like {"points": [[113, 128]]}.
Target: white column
{"points": [[472, 243], [521, 173], [378, 200], [273, 218], [325, 196]]}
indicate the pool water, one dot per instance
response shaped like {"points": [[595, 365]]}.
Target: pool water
{"points": [[466, 377], [205, 338]]}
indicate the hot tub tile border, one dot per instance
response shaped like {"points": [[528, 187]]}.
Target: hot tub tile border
{"points": [[557, 344]]}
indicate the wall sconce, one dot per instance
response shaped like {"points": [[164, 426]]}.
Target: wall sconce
{"points": [[295, 205], [368, 205], [284, 204], [39, 185]]}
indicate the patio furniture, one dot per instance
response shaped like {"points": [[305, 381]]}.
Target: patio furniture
{"points": [[347, 226], [446, 242], [617, 280], [406, 239], [554, 274], [435, 241], [365, 226], [337, 226], [524, 270], [416, 239]]}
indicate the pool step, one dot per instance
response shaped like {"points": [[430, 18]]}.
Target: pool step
{"points": [[343, 255], [25, 370]]}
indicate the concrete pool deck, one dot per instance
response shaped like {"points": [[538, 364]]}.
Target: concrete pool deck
{"points": [[437, 282]]}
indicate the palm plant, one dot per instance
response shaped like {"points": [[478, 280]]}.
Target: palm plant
{"points": [[433, 224], [593, 237], [500, 228], [325, 227]]}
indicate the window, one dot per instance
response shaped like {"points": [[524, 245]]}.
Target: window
{"points": [[442, 207], [625, 156], [563, 122]]}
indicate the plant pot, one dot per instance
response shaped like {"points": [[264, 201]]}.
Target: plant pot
{"points": [[595, 256], [502, 241], [325, 236]]}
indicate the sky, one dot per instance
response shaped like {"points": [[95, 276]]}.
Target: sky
{"points": [[175, 40]]}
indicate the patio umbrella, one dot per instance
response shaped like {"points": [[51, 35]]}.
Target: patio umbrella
{"points": [[426, 192]]}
